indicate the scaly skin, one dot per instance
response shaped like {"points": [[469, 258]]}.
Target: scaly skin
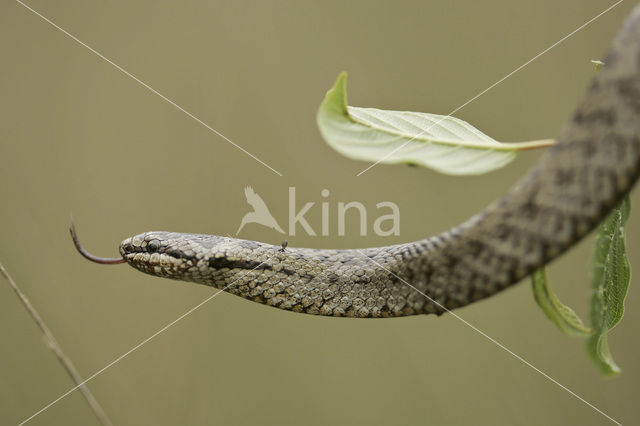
{"points": [[593, 165]]}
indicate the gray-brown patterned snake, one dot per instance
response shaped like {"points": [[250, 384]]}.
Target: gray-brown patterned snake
{"points": [[577, 182]]}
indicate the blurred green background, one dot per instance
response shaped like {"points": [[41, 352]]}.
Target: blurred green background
{"points": [[77, 135]]}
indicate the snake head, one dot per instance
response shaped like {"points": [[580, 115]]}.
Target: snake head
{"points": [[163, 254], [187, 257]]}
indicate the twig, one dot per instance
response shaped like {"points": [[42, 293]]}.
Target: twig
{"points": [[55, 347]]}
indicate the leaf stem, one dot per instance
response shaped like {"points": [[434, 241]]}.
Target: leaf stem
{"points": [[57, 350], [525, 146]]}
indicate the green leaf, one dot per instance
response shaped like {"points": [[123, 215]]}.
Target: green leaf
{"points": [[563, 316], [442, 143], [610, 274], [598, 349]]}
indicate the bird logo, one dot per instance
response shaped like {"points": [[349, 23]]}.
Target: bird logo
{"points": [[260, 213]]}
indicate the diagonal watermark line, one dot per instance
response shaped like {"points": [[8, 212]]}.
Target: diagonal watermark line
{"points": [[494, 341], [151, 89], [136, 347], [493, 85]]}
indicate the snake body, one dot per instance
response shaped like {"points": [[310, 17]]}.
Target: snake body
{"points": [[576, 183]]}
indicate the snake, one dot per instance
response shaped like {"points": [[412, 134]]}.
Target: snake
{"points": [[566, 194]]}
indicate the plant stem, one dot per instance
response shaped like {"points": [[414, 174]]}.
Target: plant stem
{"points": [[525, 146], [57, 350]]}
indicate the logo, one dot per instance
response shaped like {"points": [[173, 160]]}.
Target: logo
{"points": [[260, 214], [384, 225]]}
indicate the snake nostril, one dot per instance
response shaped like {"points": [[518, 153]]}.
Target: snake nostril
{"points": [[125, 247]]}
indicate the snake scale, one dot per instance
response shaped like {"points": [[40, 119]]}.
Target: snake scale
{"points": [[576, 183]]}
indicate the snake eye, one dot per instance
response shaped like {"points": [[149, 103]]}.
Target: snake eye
{"points": [[153, 246]]}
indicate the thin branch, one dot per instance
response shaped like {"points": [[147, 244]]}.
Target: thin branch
{"points": [[55, 347]]}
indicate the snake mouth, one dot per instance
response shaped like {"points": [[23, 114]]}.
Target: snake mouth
{"points": [[128, 248]]}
